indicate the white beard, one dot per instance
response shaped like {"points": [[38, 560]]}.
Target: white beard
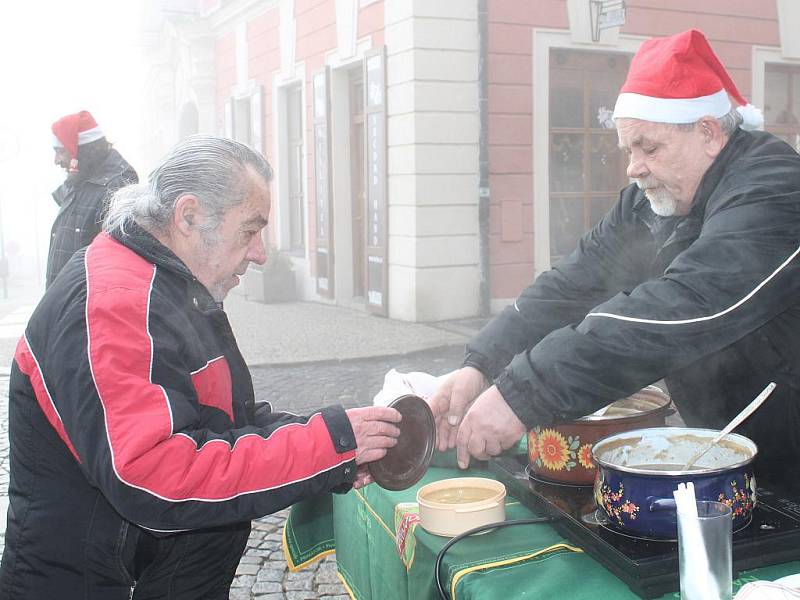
{"points": [[662, 202]]}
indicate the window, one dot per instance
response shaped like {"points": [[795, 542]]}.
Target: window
{"points": [[782, 102], [244, 117], [294, 142], [587, 170], [241, 120]]}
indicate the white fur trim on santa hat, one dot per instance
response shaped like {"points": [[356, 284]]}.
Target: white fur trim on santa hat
{"points": [[671, 110], [752, 117], [84, 137], [90, 135]]}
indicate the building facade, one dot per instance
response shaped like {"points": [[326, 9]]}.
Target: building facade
{"points": [[432, 157]]}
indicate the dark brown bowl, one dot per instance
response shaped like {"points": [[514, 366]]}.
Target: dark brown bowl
{"points": [[406, 462], [562, 453]]}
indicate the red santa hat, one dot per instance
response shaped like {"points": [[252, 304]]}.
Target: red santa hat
{"points": [[75, 130], [679, 79]]}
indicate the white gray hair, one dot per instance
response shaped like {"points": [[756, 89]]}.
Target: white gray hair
{"points": [[213, 169], [727, 122]]}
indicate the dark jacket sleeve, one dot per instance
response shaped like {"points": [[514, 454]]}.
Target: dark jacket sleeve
{"points": [[741, 272], [140, 440], [602, 265]]}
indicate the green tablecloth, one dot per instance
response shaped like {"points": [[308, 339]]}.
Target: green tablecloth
{"points": [[515, 562]]}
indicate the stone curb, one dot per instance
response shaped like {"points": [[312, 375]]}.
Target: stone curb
{"points": [[349, 359]]}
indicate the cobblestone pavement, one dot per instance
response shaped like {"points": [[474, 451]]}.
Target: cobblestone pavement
{"points": [[305, 387], [262, 573]]}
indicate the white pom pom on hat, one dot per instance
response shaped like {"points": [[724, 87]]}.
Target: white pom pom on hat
{"points": [[752, 117], [679, 79]]}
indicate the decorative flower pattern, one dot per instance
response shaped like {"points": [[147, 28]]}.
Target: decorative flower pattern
{"points": [[585, 456], [615, 507], [549, 448], [533, 446], [740, 501], [554, 451]]}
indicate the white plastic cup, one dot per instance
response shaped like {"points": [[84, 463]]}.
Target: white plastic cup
{"points": [[705, 552]]}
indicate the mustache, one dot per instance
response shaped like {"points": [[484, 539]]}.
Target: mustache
{"points": [[646, 183]]}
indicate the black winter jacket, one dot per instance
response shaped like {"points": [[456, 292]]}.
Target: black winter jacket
{"points": [[137, 450], [709, 301], [81, 201]]}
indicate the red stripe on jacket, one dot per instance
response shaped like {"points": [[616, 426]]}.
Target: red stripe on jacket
{"points": [[30, 367], [145, 452], [213, 385]]}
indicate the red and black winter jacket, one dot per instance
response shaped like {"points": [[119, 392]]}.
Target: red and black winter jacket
{"points": [[128, 390]]}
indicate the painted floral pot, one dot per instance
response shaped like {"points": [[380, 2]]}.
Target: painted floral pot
{"points": [[637, 471], [562, 453]]}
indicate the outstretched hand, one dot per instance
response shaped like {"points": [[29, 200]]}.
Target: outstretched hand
{"points": [[374, 431], [450, 402], [489, 428]]}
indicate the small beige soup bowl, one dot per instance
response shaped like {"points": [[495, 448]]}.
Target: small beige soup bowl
{"points": [[452, 506]]}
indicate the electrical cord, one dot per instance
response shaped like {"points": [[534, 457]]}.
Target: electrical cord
{"points": [[438, 564]]}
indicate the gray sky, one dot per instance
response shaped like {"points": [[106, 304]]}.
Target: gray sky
{"points": [[58, 58]]}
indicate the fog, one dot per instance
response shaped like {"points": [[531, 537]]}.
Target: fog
{"points": [[58, 58]]}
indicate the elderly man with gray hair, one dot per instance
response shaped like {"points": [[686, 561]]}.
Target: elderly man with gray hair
{"points": [[138, 452]]}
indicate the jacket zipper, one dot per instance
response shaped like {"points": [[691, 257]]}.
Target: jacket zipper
{"points": [[133, 589]]}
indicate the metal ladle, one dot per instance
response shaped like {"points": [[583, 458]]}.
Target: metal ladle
{"points": [[735, 422]]}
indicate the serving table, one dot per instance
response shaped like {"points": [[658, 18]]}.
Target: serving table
{"points": [[382, 553]]}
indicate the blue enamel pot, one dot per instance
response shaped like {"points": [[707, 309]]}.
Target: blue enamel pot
{"points": [[638, 470]]}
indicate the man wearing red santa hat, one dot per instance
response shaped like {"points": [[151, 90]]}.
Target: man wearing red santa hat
{"points": [[94, 171], [692, 277]]}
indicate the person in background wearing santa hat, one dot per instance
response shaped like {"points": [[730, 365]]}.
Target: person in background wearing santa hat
{"points": [[692, 277], [94, 171]]}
